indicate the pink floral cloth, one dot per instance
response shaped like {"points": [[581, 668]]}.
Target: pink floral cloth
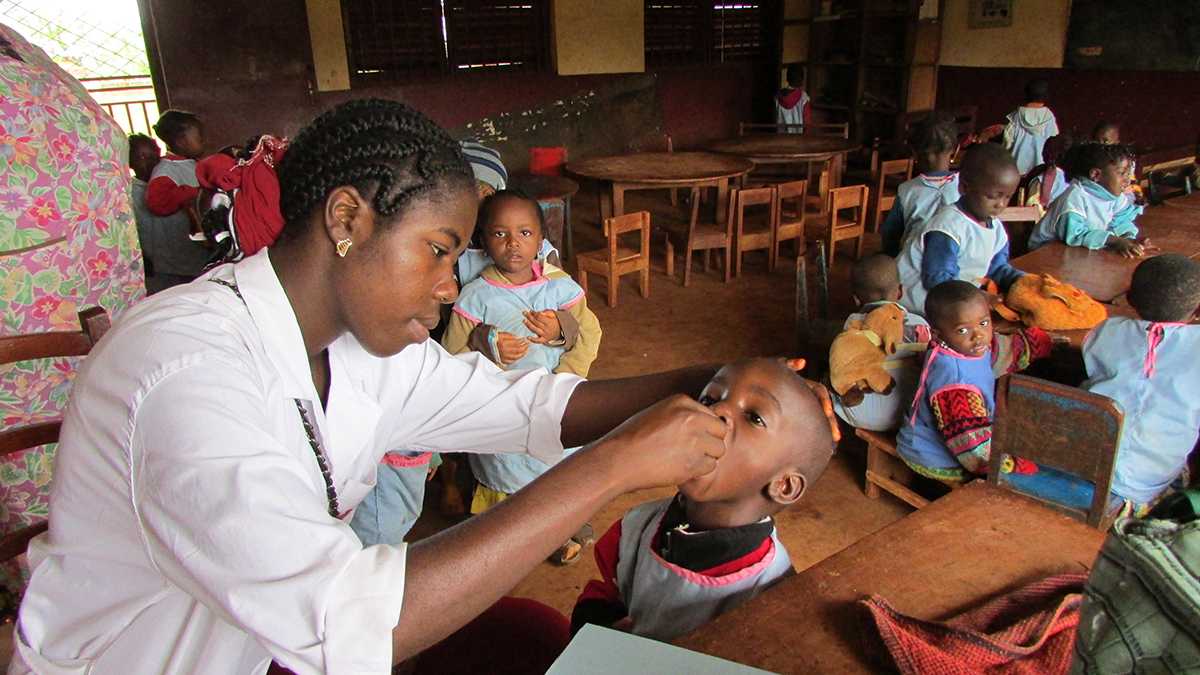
{"points": [[67, 242]]}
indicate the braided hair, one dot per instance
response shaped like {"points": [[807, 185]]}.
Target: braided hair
{"points": [[934, 134], [388, 151]]}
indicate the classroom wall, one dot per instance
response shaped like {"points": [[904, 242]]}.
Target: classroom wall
{"points": [[249, 69], [594, 37], [1035, 39]]}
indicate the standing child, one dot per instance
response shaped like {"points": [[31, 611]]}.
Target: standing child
{"points": [[1148, 366], [510, 315], [964, 240], [933, 141], [791, 103], [875, 283], [172, 192], [948, 433], [1029, 126], [671, 566], [1093, 211]]}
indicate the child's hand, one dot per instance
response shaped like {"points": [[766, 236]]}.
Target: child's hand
{"points": [[1128, 248], [510, 347], [1148, 247], [544, 325]]}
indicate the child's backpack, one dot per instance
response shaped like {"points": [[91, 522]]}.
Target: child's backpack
{"points": [[243, 213]]}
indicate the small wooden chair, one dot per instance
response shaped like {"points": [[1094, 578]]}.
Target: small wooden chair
{"points": [[832, 227], [95, 323], [762, 236], [616, 260], [747, 128], [1063, 427], [701, 237], [887, 471], [898, 170], [830, 129], [790, 198]]}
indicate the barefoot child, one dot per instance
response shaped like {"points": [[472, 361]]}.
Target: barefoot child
{"points": [[933, 140], [670, 566]]}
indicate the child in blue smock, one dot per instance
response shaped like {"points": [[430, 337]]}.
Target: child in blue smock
{"points": [[947, 434], [1049, 180], [933, 141], [1094, 211], [875, 283], [510, 314], [1029, 126], [1150, 367], [964, 240]]}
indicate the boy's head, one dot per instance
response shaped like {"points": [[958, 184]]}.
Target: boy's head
{"points": [[143, 155], [511, 226], [182, 132], [1108, 133], [794, 76], [779, 441], [959, 316], [1037, 91], [987, 180], [1166, 288], [875, 278], [1107, 165], [933, 141], [1056, 148]]}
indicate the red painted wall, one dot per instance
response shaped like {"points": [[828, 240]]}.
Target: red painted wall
{"points": [[1155, 109]]}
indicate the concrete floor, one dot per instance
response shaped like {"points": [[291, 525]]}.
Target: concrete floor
{"points": [[708, 322]]}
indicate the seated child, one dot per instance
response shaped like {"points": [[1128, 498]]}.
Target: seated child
{"points": [[510, 314], [1049, 180], [670, 566], [1094, 212], [876, 282], [1149, 367], [947, 435], [933, 141], [1108, 133], [791, 103], [170, 196], [1029, 126], [964, 240]]}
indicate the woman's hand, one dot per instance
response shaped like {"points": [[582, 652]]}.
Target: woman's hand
{"points": [[544, 326], [671, 442]]}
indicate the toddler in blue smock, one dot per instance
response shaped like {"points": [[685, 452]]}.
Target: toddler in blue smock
{"points": [[933, 141]]}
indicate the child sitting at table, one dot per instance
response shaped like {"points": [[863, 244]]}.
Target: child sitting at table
{"points": [[964, 240], [1149, 366], [1049, 180], [875, 282], [791, 102], [1029, 126], [947, 435], [510, 314], [1094, 211], [933, 141], [667, 567]]}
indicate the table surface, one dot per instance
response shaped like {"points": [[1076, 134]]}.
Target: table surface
{"points": [[785, 146], [974, 543], [664, 168], [544, 187]]}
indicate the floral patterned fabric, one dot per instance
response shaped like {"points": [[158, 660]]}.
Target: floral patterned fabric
{"points": [[67, 242]]}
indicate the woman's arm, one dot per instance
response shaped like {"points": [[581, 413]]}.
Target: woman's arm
{"points": [[597, 406]]}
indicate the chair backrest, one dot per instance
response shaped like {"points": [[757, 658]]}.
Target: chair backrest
{"points": [[794, 193], [548, 160], [617, 225], [831, 129], [1067, 428], [95, 323], [892, 168], [846, 198], [745, 128]]}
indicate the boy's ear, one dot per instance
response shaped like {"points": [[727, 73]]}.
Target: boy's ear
{"points": [[1095, 174], [787, 488], [899, 292]]}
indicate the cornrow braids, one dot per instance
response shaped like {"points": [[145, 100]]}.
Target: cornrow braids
{"points": [[388, 151]]}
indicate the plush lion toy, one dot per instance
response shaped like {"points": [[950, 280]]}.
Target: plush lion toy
{"points": [[1043, 301], [857, 354]]}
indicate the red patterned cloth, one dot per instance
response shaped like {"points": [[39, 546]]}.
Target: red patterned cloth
{"points": [[1030, 630]]}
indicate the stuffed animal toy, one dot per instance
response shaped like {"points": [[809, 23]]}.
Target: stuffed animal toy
{"points": [[857, 354], [1043, 301]]}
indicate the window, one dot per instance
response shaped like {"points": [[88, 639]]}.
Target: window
{"points": [[395, 39], [693, 32]]}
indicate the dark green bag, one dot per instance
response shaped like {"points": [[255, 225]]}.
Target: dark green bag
{"points": [[1141, 609]]}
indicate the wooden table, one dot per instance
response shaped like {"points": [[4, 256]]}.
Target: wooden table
{"points": [[548, 190], [972, 544], [658, 170], [792, 149]]}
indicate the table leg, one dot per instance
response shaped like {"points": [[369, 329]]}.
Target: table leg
{"points": [[618, 200], [835, 170], [722, 199], [606, 201]]}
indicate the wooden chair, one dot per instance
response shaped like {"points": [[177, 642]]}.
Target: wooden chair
{"points": [[701, 237], [1019, 221], [761, 237], [881, 471], [830, 129], [815, 331], [832, 227], [790, 198], [745, 128], [95, 323], [615, 261], [1063, 427], [899, 170]]}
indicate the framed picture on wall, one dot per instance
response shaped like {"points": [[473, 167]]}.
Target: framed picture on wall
{"points": [[990, 14]]}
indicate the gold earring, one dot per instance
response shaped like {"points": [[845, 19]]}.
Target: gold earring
{"points": [[343, 246]]}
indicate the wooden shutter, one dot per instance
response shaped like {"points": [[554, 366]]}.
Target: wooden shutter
{"points": [[495, 34], [676, 32], [393, 39], [739, 31]]}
